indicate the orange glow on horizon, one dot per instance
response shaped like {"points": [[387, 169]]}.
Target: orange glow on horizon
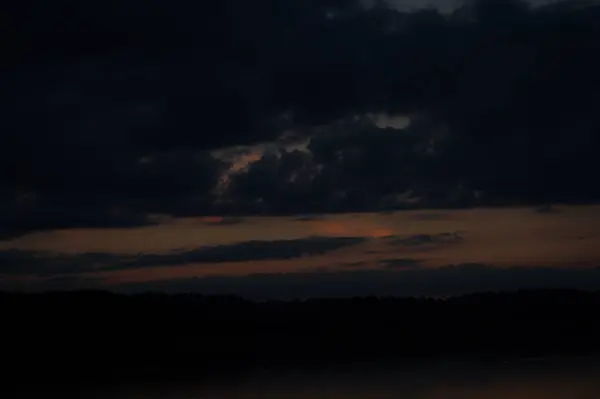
{"points": [[212, 219], [352, 228]]}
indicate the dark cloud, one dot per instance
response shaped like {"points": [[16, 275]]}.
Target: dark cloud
{"points": [[486, 132], [223, 221], [545, 209], [311, 218], [22, 263], [350, 165], [399, 263], [431, 216], [355, 265], [115, 103], [425, 239], [317, 269], [65, 193], [18, 220], [245, 251], [446, 281]]}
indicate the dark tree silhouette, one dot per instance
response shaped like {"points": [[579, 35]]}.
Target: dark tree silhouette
{"points": [[86, 335]]}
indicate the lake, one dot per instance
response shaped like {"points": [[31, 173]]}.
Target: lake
{"points": [[526, 379]]}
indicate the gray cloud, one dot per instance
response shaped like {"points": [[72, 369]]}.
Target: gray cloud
{"points": [[20, 219], [355, 265], [15, 262], [444, 5], [426, 239], [108, 192], [224, 221], [502, 100], [309, 218], [431, 216], [399, 263], [245, 251], [44, 264]]}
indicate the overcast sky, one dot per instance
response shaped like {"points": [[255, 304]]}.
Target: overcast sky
{"points": [[446, 5], [177, 139]]}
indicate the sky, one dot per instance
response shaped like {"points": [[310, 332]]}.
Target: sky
{"points": [[315, 147], [444, 5]]}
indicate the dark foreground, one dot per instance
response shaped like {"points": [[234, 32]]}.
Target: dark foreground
{"points": [[99, 337], [554, 378]]}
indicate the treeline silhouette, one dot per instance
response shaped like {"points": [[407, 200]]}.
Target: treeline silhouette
{"points": [[100, 335]]}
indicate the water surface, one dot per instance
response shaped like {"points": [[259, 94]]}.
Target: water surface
{"points": [[547, 379]]}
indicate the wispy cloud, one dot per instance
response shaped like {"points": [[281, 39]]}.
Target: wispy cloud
{"points": [[245, 251], [399, 263], [426, 239], [15, 262], [355, 265], [221, 220]]}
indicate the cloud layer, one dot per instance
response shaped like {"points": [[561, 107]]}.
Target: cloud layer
{"points": [[114, 106], [26, 263]]}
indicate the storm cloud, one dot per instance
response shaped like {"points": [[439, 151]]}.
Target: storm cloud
{"points": [[117, 105]]}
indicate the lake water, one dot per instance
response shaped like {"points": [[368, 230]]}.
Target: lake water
{"points": [[547, 379]]}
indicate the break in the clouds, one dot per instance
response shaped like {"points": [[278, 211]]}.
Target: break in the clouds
{"points": [[119, 106], [169, 253]]}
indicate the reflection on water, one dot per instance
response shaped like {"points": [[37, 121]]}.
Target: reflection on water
{"points": [[556, 379]]}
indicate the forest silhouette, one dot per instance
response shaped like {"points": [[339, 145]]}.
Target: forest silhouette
{"points": [[101, 336]]}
